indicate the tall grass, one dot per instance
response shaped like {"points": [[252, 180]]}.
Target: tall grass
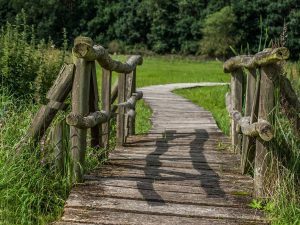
{"points": [[30, 190]]}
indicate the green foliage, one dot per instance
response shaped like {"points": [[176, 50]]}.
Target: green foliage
{"points": [[219, 33], [30, 191], [169, 26], [26, 66], [143, 123]]}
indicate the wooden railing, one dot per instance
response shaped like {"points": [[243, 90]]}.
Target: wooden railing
{"points": [[250, 104], [80, 79]]}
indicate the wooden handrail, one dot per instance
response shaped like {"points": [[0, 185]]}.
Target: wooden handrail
{"points": [[80, 79], [84, 48], [252, 119], [268, 56]]}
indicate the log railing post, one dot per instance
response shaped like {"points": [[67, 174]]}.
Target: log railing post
{"points": [[96, 131], [106, 104], [121, 110], [266, 105], [131, 122], [128, 118], [237, 104], [59, 136], [248, 143], [80, 105]]}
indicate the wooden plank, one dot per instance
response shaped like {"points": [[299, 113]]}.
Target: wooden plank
{"points": [[237, 103], [92, 217], [96, 131], [262, 156], [161, 209], [121, 110], [80, 105], [181, 189], [187, 164], [224, 184], [248, 144], [106, 104], [147, 191]]}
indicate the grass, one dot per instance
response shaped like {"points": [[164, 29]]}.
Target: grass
{"points": [[30, 191], [172, 69]]}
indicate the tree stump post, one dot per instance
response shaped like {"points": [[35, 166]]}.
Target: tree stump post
{"points": [[129, 91], [121, 110], [266, 105], [96, 131], [131, 128], [106, 104], [237, 104], [248, 143], [80, 105]]}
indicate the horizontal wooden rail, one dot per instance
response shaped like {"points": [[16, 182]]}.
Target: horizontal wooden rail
{"points": [[262, 128], [84, 122], [131, 102], [268, 56], [80, 80], [251, 109], [84, 48]]}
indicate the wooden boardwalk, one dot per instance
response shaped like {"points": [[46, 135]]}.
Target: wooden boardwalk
{"points": [[177, 174]]}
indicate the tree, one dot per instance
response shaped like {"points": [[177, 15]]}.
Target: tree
{"points": [[219, 33]]}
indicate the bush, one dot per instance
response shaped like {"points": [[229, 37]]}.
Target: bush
{"points": [[219, 33], [27, 68], [116, 46]]}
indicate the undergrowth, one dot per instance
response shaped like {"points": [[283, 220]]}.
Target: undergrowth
{"points": [[30, 190]]}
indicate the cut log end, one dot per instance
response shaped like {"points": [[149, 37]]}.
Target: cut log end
{"points": [[265, 130]]}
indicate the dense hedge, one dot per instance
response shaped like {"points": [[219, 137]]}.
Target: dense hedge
{"points": [[169, 26]]}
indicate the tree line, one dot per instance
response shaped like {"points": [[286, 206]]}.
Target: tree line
{"points": [[205, 27]]}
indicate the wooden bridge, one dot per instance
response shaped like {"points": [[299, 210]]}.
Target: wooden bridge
{"points": [[179, 173], [185, 170]]}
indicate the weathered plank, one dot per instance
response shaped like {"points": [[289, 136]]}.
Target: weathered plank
{"points": [[93, 217]]}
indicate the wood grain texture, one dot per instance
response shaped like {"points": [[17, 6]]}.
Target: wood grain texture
{"points": [[248, 143], [121, 110], [181, 175], [80, 105], [106, 104], [266, 105], [237, 104]]}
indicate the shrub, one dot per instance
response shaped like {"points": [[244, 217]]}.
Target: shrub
{"points": [[219, 33], [27, 68], [116, 46]]}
